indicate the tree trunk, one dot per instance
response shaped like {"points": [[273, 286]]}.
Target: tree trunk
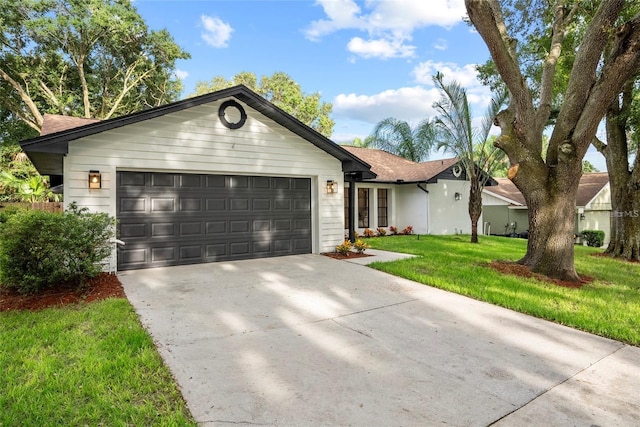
{"points": [[551, 233], [475, 206], [625, 198]]}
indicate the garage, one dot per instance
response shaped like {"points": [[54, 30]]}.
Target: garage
{"points": [[223, 176], [174, 219]]}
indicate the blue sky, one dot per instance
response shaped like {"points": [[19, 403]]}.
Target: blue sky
{"points": [[371, 59]]}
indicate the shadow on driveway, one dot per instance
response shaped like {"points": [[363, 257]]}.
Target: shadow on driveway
{"points": [[309, 340]]}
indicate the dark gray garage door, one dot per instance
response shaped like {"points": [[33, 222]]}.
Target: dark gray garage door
{"points": [[173, 219]]}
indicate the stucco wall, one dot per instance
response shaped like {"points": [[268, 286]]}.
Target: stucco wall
{"points": [[447, 215], [194, 141]]}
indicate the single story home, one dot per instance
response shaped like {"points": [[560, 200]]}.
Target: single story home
{"points": [[222, 176], [228, 176], [505, 210], [432, 197]]}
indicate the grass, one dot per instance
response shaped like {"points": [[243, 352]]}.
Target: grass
{"points": [[86, 364], [609, 306]]}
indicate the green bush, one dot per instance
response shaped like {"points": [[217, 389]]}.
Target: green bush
{"points": [[8, 212], [594, 238], [39, 250]]}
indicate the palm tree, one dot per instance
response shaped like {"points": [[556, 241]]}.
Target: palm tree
{"points": [[397, 137], [455, 134]]}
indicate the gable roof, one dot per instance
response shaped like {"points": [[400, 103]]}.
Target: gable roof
{"points": [[507, 190], [590, 185], [391, 168], [47, 150]]}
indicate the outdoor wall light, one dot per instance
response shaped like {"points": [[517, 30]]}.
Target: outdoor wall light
{"points": [[95, 179], [582, 217], [457, 196], [332, 187]]}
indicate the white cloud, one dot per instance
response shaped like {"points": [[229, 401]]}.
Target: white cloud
{"points": [[412, 104], [465, 75], [440, 44], [381, 48], [385, 21], [216, 33], [181, 74]]}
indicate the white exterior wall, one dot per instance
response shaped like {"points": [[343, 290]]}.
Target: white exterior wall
{"points": [[435, 212], [447, 215], [194, 141], [597, 214], [413, 208]]}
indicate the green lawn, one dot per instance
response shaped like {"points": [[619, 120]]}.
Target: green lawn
{"points": [[609, 306], [87, 364]]}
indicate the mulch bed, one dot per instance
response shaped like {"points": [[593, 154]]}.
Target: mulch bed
{"points": [[105, 285], [514, 269], [350, 255]]}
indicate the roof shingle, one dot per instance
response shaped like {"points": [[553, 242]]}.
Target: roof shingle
{"points": [[590, 185], [392, 168]]}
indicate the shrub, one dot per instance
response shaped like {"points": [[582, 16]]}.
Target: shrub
{"points": [[360, 246], [369, 233], [594, 238], [39, 250], [344, 248], [381, 231], [393, 230], [408, 230], [8, 212]]}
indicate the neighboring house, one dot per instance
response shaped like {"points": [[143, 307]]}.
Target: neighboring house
{"points": [[222, 176], [505, 209], [432, 197]]}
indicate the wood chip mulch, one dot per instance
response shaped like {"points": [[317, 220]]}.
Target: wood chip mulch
{"points": [[519, 270], [105, 285]]}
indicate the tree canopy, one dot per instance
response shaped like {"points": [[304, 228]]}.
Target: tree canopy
{"points": [[86, 58], [400, 138], [281, 90]]}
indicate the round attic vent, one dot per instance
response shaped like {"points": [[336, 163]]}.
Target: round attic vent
{"points": [[232, 115]]}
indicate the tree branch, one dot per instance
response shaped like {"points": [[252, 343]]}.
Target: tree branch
{"points": [[33, 108], [487, 18]]}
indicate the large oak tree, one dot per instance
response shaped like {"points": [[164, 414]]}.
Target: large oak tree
{"points": [[87, 58], [549, 181]]}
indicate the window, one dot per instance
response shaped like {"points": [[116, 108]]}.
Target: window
{"points": [[383, 208], [347, 209], [363, 207]]}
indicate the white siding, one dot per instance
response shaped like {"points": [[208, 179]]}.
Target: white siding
{"points": [[194, 141]]}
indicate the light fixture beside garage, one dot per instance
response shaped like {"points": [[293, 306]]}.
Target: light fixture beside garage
{"points": [[232, 115], [95, 179], [332, 187], [457, 196]]}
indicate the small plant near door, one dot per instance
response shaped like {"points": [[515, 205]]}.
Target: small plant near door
{"points": [[360, 246], [368, 233], [381, 231], [344, 248]]}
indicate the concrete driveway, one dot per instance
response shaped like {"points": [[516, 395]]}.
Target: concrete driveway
{"points": [[308, 340]]}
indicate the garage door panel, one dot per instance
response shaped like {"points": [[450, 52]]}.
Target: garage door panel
{"points": [[183, 219]]}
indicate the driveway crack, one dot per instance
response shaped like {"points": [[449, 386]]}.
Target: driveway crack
{"points": [[542, 393], [335, 319]]}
